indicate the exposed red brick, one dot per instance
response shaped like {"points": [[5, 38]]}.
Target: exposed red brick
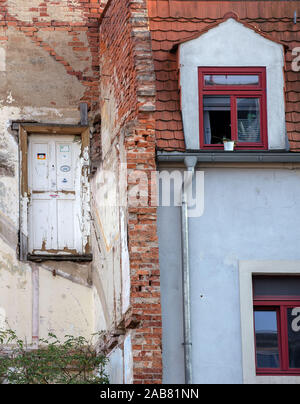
{"points": [[125, 45]]}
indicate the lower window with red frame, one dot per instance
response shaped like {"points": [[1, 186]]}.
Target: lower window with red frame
{"points": [[277, 325]]}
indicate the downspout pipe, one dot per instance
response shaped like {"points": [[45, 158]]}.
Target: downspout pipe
{"points": [[190, 163], [35, 306]]}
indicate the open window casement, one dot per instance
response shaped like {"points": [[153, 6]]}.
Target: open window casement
{"points": [[54, 200]]}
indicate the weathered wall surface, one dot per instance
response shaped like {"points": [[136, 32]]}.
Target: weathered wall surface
{"points": [[250, 214], [127, 103], [48, 65], [109, 221], [109, 183]]}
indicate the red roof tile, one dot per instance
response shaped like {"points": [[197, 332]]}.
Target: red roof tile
{"points": [[227, 16], [174, 21]]}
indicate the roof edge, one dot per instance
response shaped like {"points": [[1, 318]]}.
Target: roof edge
{"points": [[227, 16]]}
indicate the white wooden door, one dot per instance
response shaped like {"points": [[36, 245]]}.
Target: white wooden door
{"points": [[54, 186]]}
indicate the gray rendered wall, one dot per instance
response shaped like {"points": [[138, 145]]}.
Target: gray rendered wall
{"points": [[250, 214]]}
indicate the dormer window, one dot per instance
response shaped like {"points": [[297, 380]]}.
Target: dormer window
{"points": [[232, 85], [232, 103]]}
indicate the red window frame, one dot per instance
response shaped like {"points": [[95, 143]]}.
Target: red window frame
{"points": [[279, 304], [235, 91]]}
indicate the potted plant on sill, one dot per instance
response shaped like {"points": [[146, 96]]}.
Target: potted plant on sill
{"points": [[228, 144]]}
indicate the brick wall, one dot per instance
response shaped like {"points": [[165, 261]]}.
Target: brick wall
{"points": [[47, 22], [127, 75]]}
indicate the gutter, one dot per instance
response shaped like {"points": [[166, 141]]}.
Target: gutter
{"points": [[230, 157], [190, 163]]}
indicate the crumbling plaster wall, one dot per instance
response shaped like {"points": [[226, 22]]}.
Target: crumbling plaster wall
{"points": [[109, 218], [109, 183], [48, 65]]}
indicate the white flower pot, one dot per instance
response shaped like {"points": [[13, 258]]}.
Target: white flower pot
{"points": [[229, 146]]}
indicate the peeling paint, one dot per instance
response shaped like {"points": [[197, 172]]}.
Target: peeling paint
{"points": [[24, 202], [125, 265], [2, 319], [8, 263], [128, 360], [2, 60], [84, 192]]}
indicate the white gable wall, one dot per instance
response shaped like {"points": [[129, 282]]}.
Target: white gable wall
{"points": [[232, 44]]}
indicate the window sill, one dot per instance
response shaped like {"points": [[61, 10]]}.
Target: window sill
{"points": [[278, 373], [56, 257], [245, 148]]}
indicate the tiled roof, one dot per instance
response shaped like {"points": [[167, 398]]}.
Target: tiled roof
{"points": [[173, 21]]}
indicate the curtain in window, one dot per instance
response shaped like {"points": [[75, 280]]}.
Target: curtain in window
{"points": [[248, 119], [207, 128]]}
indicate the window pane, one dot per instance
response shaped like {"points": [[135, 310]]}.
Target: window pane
{"points": [[248, 110], [217, 117], [276, 286], [231, 80], [266, 333], [293, 318]]}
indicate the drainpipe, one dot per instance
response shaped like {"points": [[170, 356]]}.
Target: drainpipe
{"points": [[190, 163], [35, 306]]}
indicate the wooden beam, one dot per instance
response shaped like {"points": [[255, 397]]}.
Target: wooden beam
{"points": [[57, 257], [52, 129], [24, 157], [85, 139]]}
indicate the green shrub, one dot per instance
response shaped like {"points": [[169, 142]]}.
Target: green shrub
{"points": [[73, 361]]}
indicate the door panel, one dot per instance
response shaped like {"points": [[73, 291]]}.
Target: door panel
{"points": [[41, 222], [65, 169], [65, 224], [40, 163]]}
